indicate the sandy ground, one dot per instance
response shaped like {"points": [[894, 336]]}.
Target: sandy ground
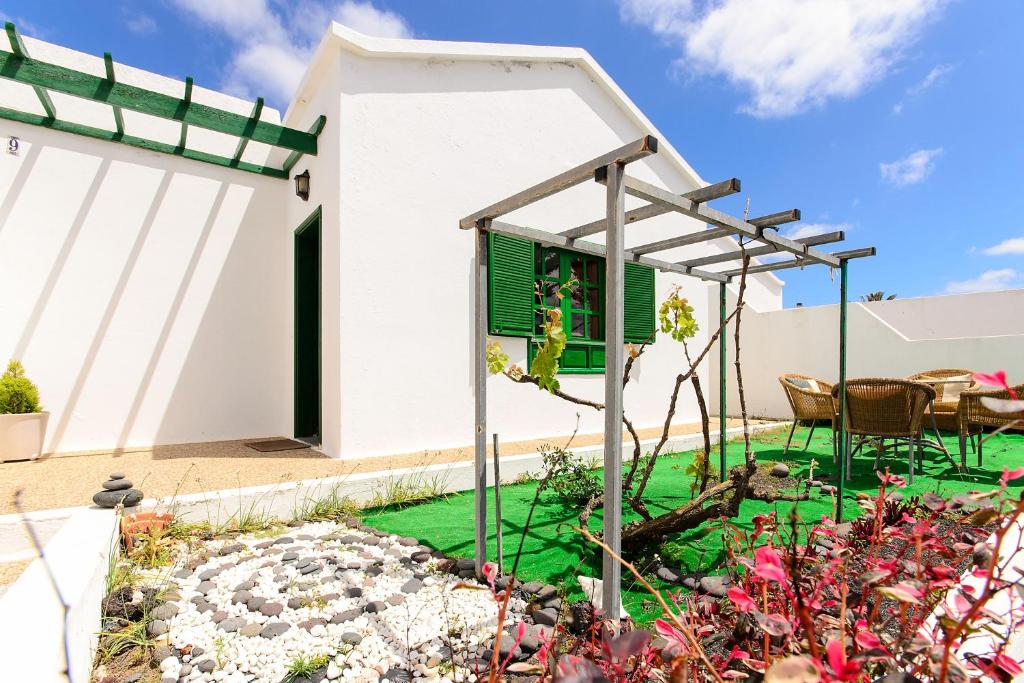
{"points": [[9, 573], [56, 481]]}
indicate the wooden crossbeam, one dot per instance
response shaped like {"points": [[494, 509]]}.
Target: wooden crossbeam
{"points": [[24, 69], [798, 262], [18, 49], [682, 240], [813, 240], [556, 240], [627, 153], [654, 194], [774, 219], [244, 140], [701, 194], [294, 157], [108, 64]]}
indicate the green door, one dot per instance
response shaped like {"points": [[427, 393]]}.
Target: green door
{"points": [[307, 330]]}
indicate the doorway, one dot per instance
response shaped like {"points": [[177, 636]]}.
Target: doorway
{"points": [[307, 330]]}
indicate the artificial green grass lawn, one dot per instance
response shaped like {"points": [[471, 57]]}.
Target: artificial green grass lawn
{"points": [[555, 554]]}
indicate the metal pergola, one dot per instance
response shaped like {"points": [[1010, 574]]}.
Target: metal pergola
{"points": [[44, 77], [609, 169]]}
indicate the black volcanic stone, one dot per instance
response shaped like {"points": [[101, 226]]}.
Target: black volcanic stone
{"points": [[274, 629], [109, 499], [271, 609], [347, 615]]}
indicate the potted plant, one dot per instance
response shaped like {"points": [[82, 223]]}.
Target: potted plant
{"points": [[22, 419]]}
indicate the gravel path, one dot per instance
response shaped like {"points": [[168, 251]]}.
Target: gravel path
{"points": [[58, 481]]}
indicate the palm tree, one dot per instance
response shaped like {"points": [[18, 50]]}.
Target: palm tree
{"points": [[877, 296]]}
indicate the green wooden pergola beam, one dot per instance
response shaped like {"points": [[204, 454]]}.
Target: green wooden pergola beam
{"points": [[45, 76], [186, 101], [315, 131], [19, 67], [108, 63], [254, 118], [143, 143], [19, 51]]}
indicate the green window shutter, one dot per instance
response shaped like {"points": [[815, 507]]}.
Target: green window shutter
{"points": [[510, 285], [638, 323]]}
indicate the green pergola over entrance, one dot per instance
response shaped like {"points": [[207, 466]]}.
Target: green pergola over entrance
{"points": [[610, 170], [18, 66]]}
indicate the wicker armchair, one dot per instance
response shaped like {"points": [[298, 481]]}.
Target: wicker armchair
{"points": [[811, 399], [885, 408], [947, 396], [974, 416]]}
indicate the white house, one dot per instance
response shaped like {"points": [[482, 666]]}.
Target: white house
{"points": [[153, 297]]}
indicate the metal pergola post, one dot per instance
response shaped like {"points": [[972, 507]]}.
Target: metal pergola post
{"points": [[614, 367], [609, 169], [841, 435], [480, 399], [723, 385]]}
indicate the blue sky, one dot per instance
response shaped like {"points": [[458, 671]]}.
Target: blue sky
{"points": [[898, 121]]}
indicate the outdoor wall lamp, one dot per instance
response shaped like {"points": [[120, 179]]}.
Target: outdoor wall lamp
{"points": [[302, 185]]}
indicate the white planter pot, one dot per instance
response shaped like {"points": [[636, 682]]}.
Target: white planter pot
{"points": [[21, 436]]}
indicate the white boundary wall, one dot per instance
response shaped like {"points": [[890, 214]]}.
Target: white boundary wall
{"points": [[31, 618], [982, 332]]}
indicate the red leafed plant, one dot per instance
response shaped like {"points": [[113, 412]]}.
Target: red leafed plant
{"points": [[924, 588]]}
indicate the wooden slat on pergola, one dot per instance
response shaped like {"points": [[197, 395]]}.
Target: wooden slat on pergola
{"points": [[44, 77], [759, 239]]}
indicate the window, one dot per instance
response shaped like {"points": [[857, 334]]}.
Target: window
{"points": [[517, 266], [582, 310]]}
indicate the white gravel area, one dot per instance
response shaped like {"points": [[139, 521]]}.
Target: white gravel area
{"points": [[374, 604]]}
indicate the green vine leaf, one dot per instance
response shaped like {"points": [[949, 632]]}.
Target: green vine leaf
{"points": [[676, 317], [496, 358], [545, 363]]}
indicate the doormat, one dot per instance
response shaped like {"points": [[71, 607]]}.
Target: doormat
{"points": [[276, 445]]}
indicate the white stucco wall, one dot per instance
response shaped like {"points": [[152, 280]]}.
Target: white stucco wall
{"points": [[897, 338], [151, 297], [144, 293], [423, 143]]}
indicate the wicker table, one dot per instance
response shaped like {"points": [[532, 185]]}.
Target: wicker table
{"points": [[937, 442]]}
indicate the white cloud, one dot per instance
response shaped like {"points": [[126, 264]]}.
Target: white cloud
{"points": [[808, 229], [989, 281], [791, 55], [274, 41], [141, 24], [935, 76], [25, 27], [365, 18], [911, 169], [1012, 246]]}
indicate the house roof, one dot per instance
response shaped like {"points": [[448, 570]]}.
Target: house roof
{"points": [[339, 37]]}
